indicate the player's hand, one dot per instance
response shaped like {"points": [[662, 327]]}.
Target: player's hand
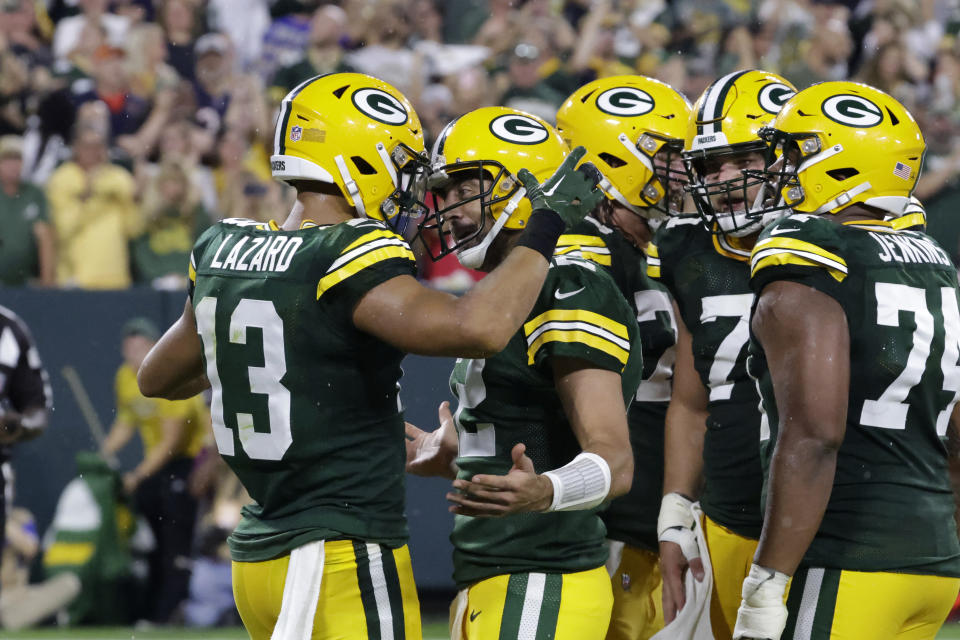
{"points": [[433, 453], [521, 490], [571, 192], [762, 614], [673, 567], [679, 552]]}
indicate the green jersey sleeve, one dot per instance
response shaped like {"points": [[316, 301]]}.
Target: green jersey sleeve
{"points": [[801, 248], [577, 317], [372, 257]]}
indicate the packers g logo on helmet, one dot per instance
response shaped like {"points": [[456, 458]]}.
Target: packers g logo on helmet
{"points": [[518, 129], [380, 105], [852, 111], [625, 101], [773, 96]]}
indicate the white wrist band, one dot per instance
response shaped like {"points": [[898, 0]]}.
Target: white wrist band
{"points": [[582, 484], [674, 512]]}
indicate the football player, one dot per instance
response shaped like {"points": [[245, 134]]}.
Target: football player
{"points": [[542, 426], [713, 422], [633, 129], [299, 330], [855, 344]]}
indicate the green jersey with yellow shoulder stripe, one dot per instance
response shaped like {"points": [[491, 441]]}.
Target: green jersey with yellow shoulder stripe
{"points": [[632, 518], [891, 507], [709, 278], [304, 405], [510, 398]]}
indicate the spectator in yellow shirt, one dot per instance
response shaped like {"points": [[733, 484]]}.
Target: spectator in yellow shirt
{"points": [[173, 433], [94, 214]]}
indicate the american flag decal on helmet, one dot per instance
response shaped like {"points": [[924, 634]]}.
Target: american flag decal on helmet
{"points": [[902, 171]]}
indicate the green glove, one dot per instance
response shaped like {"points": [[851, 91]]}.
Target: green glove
{"points": [[571, 192]]}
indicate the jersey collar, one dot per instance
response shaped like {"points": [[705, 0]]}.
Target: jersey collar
{"points": [[730, 247], [883, 226]]}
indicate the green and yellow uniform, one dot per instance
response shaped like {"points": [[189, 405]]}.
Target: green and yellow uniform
{"points": [[305, 412], [541, 559], [709, 278], [631, 520], [891, 507]]}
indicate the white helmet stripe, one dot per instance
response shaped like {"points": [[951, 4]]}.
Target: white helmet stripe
{"points": [[712, 106]]}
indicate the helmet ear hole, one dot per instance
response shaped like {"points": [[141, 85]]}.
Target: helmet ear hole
{"points": [[364, 167], [842, 174], [612, 161]]}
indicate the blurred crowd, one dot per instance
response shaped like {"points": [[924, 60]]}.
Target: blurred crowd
{"points": [[129, 126]]}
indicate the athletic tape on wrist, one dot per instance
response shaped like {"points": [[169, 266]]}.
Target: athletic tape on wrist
{"points": [[582, 484], [674, 512]]}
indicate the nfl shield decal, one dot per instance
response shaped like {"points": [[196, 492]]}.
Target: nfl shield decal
{"points": [[296, 132]]}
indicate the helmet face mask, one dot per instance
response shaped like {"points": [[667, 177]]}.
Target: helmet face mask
{"points": [[487, 146], [736, 206], [406, 203], [672, 175], [725, 157], [443, 182]]}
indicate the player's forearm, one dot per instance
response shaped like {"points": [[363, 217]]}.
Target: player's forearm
{"points": [[683, 450], [801, 479], [620, 462], [492, 311]]}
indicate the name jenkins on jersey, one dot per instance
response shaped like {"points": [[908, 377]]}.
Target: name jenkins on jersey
{"points": [[710, 281], [304, 405], [510, 398], [891, 507], [632, 518]]}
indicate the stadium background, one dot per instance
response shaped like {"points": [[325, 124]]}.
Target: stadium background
{"points": [[180, 95]]}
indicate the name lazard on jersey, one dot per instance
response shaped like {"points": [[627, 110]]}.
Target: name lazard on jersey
{"points": [[294, 382], [898, 290], [511, 398]]}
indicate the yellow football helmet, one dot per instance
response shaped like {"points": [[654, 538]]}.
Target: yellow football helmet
{"points": [[491, 144], [840, 143], [623, 122], [724, 126], [356, 132]]}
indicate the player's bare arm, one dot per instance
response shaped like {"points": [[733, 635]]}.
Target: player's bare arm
{"points": [[809, 358], [686, 424], [593, 402], [417, 319], [174, 367]]}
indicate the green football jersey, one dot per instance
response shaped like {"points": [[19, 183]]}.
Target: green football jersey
{"points": [[510, 398], [632, 518], [891, 507], [304, 406], [710, 281]]}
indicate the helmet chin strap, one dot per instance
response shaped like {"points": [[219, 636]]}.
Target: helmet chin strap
{"points": [[472, 257], [351, 186]]}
